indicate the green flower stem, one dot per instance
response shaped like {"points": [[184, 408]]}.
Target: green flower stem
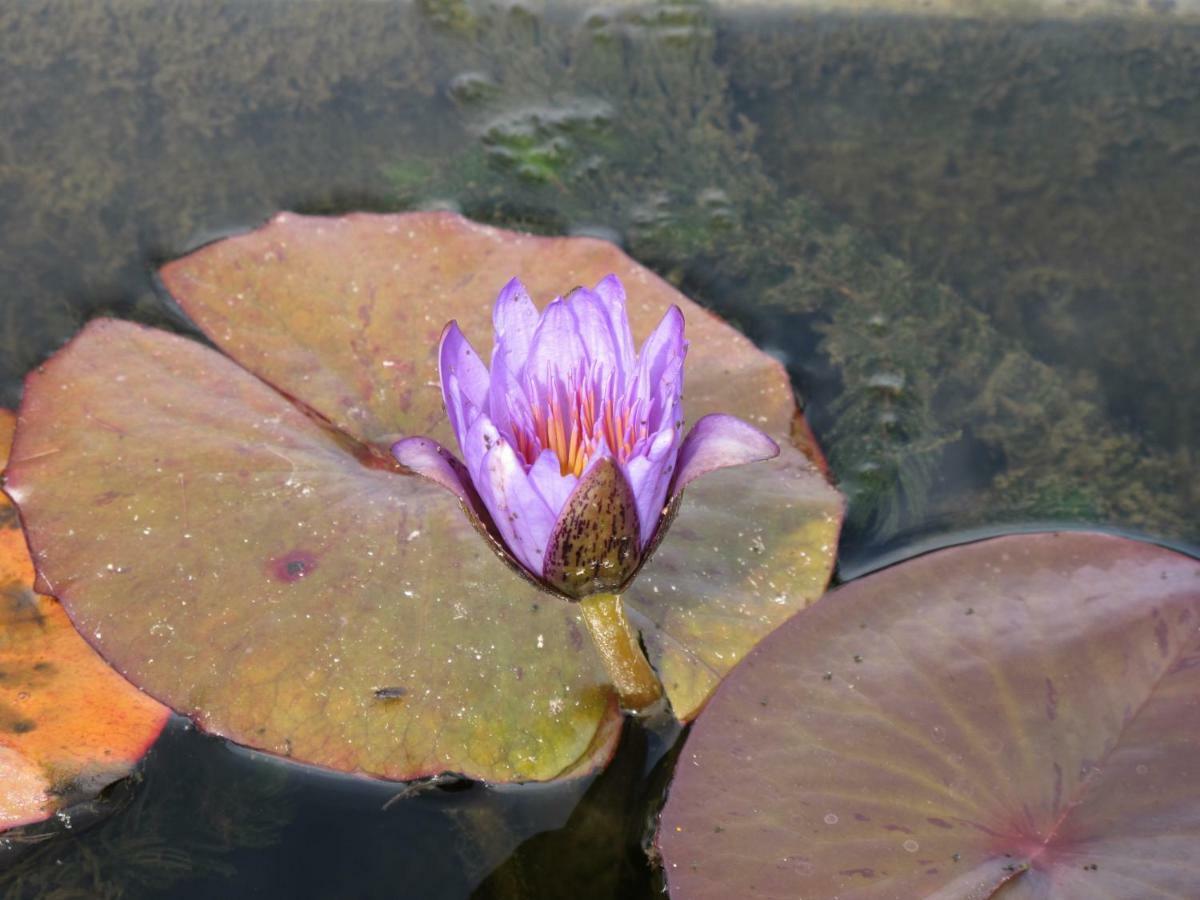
{"points": [[617, 640]]}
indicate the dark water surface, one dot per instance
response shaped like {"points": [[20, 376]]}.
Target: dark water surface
{"points": [[973, 242]]}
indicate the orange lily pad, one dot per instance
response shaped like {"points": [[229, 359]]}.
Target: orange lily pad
{"points": [[300, 593], [1015, 718], [69, 725]]}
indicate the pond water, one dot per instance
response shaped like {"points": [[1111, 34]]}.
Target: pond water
{"points": [[971, 240]]}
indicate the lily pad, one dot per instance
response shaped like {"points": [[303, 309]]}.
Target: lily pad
{"points": [[296, 591], [69, 725], [1014, 718]]}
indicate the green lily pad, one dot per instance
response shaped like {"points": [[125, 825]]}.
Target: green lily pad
{"points": [[243, 548], [1013, 718]]}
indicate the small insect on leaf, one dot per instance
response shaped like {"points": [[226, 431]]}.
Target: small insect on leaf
{"points": [[390, 693]]}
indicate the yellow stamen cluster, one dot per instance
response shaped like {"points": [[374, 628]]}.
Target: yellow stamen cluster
{"points": [[575, 428]]}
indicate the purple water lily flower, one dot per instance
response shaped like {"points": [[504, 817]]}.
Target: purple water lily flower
{"points": [[574, 458]]}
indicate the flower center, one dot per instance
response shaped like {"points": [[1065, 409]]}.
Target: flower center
{"points": [[575, 416]]}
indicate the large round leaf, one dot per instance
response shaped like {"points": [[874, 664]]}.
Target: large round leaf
{"points": [[69, 725], [293, 590], [1016, 718], [345, 314]]}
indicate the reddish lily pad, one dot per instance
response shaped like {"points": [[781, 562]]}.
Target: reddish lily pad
{"points": [[69, 725], [299, 593], [1014, 718], [345, 315]]}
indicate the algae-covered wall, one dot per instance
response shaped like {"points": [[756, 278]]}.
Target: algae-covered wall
{"points": [[972, 239], [130, 129], [1047, 171]]}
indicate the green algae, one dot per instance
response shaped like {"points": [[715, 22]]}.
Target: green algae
{"points": [[929, 373], [1046, 171]]}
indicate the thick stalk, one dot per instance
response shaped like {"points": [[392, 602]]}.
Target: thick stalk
{"points": [[617, 641]]}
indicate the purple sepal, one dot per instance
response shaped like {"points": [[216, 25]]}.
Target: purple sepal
{"points": [[594, 545]]}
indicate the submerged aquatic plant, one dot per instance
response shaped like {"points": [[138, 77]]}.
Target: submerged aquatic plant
{"points": [[573, 461]]}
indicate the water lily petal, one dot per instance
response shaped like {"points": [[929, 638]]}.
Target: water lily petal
{"points": [[482, 435], [520, 514], [546, 476], [649, 475], [660, 368], [603, 329], [665, 406], [611, 293], [514, 318], [430, 459], [665, 343], [718, 441], [464, 377], [573, 330]]}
